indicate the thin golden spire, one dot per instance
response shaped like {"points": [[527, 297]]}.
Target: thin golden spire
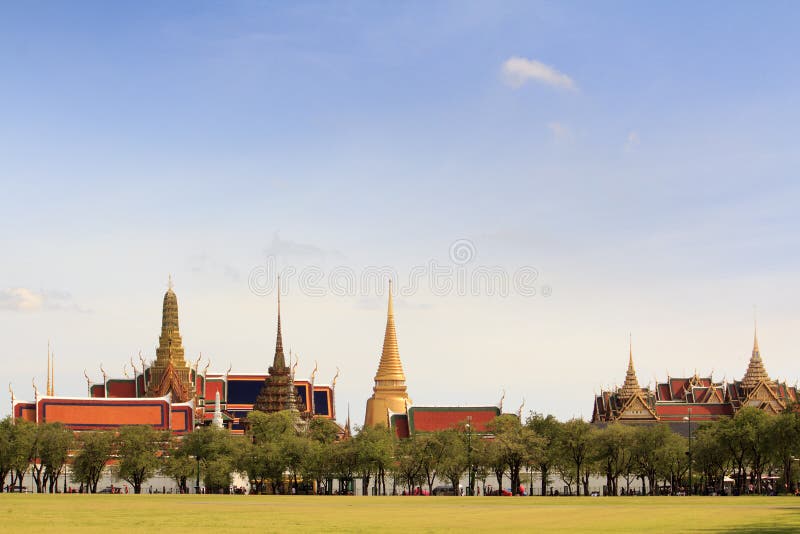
{"points": [[755, 331], [53, 373], [756, 372], [631, 385], [47, 386], [279, 360], [390, 367]]}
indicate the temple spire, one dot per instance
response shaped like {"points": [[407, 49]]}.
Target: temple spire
{"points": [[631, 385], [217, 420], [279, 361], [389, 394], [390, 367], [47, 388], [278, 391], [756, 372], [169, 373]]}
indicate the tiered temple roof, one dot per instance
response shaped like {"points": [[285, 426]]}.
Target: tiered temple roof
{"points": [[277, 393], [697, 398]]}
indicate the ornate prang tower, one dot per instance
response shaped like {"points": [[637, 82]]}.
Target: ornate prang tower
{"points": [[278, 392], [170, 374], [389, 393]]}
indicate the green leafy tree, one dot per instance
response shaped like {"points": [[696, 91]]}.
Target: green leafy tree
{"points": [[756, 424], [430, 450], [518, 445], [495, 461], [22, 449], [178, 466], [95, 451], [409, 463], [375, 447], [455, 462], [738, 438], [614, 444], [344, 460], [6, 448], [204, 445], [784, 436], [53, 444], [647, 453], [138, 449], [318, 465], [710, 455], [548, 428], [672, 462], [574, 441]]}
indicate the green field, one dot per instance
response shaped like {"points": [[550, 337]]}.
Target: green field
{"points": [[150, 513]]}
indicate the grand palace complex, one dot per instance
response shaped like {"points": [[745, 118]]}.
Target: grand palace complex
{"points": [[170, 393]]}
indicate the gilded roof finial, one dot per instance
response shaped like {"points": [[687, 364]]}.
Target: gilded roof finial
{"points": [[88, 382], [335, 378], [53, 373], [47, 388], [755, 330]]}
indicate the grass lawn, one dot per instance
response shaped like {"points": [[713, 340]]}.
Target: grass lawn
{"points": [[221, 513]]}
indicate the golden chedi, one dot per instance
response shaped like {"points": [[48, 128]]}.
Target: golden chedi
{"points": [[389, 393]]}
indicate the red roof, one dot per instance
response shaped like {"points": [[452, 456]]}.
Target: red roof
{"points": [[430, 419]]}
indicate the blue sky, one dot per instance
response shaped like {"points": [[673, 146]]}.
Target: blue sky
{"points": [[641, 157]]}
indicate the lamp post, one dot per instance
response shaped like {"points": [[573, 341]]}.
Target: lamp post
{"points": [[689, 419], [469, 455]]}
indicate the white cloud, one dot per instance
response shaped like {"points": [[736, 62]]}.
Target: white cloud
{"points": [[632, 141], [20, 299], [518, 70], [561, 132]]}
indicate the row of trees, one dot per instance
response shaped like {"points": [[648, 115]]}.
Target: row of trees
{"points": [[281, 453], [46, 449]]}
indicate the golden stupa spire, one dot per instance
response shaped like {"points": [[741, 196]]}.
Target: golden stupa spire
{"points": [[390, 368], [52, 374], [631, 385], [389, 394], [756, 372]]}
